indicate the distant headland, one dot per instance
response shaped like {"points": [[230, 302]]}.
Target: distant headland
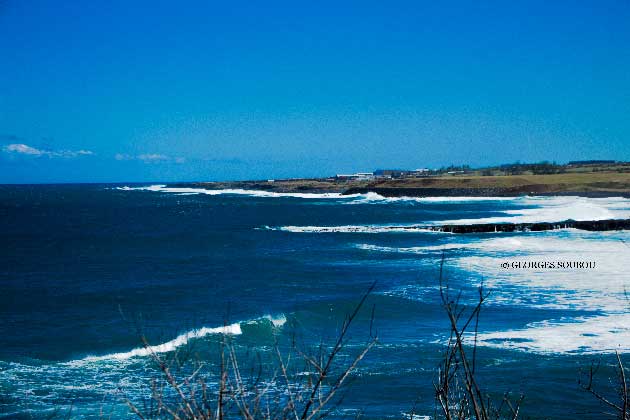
{"points": [[593, 178]]}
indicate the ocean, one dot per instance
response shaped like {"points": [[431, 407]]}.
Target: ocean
{"points": [[86, 269]]}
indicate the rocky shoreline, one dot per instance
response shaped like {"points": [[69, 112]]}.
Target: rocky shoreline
{"points": [[594, 185], [352, 188], [590, 225]]}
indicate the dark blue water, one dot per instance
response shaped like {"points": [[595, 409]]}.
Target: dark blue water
{"points": [[84, 267]]}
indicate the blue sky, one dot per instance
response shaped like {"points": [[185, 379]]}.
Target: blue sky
{"points": [[198, 90]]}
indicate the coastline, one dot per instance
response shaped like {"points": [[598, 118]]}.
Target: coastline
{"points": [[592, 185]]}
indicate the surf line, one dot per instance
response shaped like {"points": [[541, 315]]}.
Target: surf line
{"points": [[588, 225]]}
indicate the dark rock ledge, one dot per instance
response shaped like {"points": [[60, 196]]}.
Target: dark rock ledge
{"points": [[590, 225]]}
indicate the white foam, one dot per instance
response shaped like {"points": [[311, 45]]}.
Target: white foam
{"points": [[601, 290], [532, 243], [413, 249], [238, 191], [169, 346], [600, 334], [375, 198], [276, 321], [363, 198], [555, 209], [355, 229], [412, 416]]}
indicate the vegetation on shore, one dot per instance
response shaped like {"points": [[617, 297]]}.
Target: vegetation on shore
{"points": [[506, 180]]}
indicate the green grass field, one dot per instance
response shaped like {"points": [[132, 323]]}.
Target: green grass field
{"points": [[566, 182]]}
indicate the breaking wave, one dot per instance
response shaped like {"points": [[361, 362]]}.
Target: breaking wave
{"points": [[237, 191], [375, 198], [527, 209], [555, 209], [362, 198], [101, 378], [185, 338]]}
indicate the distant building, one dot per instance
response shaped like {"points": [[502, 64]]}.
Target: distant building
{"points": [[391, 173], [419, 173], [366, 175], [359, 176]]}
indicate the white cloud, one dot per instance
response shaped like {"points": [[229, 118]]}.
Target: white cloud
{"points": [[121, 156], [149, 158], [153, 157], [84, 152], [71, 153], [24, 149]]}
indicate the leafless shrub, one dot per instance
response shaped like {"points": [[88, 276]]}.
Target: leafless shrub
{"points": [[457, 391], [618, 406], [282, 393]]}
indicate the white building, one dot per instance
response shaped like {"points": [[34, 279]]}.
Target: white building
{"points": [[359, 176]]}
